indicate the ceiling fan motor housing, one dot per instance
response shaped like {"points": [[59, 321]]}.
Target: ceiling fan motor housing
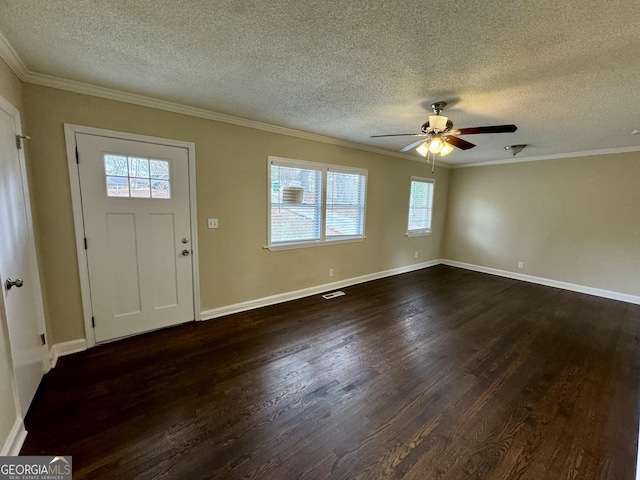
{"points": [[437, 107], [426, 128]]}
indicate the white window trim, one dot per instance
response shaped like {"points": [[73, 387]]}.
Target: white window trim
{"points": [[422, 232], [317, 243], [418, 233], [324, 168]]}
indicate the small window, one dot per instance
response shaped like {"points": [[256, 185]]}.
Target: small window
{"points": [[420, 206], [135, 177], [313, 203]]}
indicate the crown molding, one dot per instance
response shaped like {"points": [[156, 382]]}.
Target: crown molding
{"points": [[150, 102], [587, 153], [9, 55]]}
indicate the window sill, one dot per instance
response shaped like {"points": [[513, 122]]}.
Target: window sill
{"points": [[291, 246], [418, 234]]}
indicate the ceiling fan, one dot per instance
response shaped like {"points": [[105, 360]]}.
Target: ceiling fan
{"points": [[438, 135]]}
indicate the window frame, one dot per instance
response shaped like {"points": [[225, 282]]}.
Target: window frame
{"points": [[324, 169], [418, 232]]}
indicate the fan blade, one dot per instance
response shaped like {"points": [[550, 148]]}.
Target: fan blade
{"points": [[401, 135], [493, 129], [458, 142], [413, 145]]}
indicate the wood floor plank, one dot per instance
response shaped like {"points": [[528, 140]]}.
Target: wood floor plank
{"points": [[441, 374]]}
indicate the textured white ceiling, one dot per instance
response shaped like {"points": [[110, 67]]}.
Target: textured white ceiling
{"points": [[567, 73]]}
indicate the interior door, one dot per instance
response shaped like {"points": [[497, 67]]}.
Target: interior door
{"points": [[18, 265], [135, 201]]}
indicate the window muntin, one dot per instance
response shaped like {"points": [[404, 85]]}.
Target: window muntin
{"points": [[313, 203], [136, 177], [420, 206]]}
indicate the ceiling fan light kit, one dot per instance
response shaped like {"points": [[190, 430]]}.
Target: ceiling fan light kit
{"points": [[446, 149], [423, 149], [441, 136], [436, 144]]}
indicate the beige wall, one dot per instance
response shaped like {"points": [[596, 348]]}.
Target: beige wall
{"points": [[573, 220], [10, 90], [231, 164]]}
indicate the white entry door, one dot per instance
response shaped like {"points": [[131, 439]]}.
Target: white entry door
{"points": [[135, 202], [18, 266]]}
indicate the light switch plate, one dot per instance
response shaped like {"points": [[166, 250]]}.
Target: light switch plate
{"points": [[212, 223]]}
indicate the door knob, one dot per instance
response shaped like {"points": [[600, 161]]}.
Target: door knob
{"points": [[13, 283], [185, 252]]}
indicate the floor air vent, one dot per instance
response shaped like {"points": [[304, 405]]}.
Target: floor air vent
{"points": [[331, 295]]}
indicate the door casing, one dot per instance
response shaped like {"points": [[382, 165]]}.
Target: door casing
{"points": [[70, 131]]}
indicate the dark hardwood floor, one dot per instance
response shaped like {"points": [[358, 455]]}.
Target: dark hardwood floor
{"points": [[437, 374]]}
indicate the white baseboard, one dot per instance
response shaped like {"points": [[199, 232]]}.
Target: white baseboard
{"points": [[623, 297], [66, 348], [80, 344], [14, 441], [306, 292]]}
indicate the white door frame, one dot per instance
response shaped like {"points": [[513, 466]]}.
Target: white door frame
{"points": [[70, 131]]}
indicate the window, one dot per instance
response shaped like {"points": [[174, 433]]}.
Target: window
{"points": [[345, 204], [133, 177], [420, 206], [313, 203]]}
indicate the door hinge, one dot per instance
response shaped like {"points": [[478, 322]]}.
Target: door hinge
{"points": [[85, 243], [19, 139], [43, 339], [77, 156], [93, 322]]}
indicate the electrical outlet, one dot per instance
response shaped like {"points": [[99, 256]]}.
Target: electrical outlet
{"points": [[520, 264], [212, 223], [331, 272], [416, 254]]}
